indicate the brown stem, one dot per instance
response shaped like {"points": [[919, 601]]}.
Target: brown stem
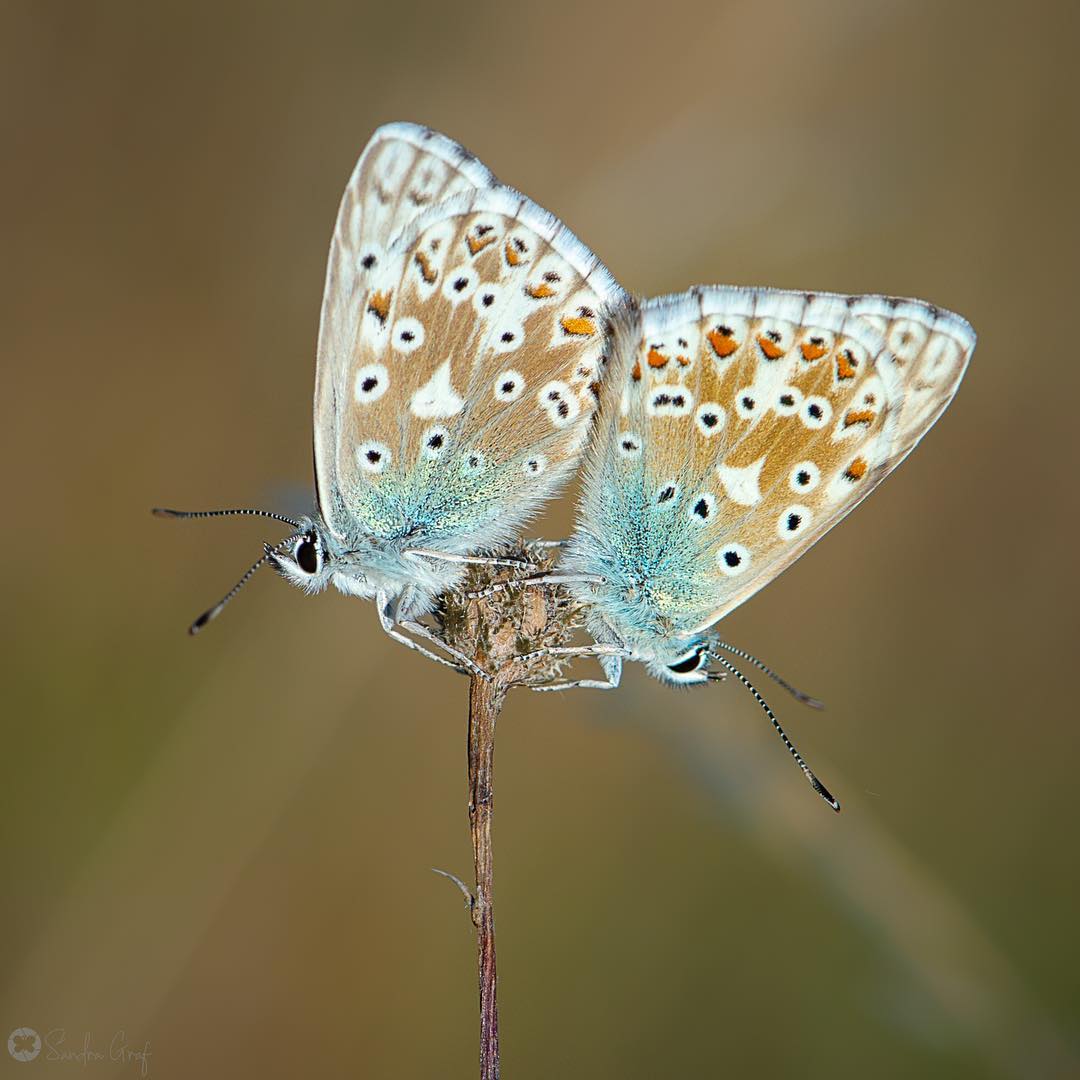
{"points": [[485, 700]]}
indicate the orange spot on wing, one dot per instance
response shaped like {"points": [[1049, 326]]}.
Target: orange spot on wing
{"points": [[636, 373], [723, 344], [427, 271], [538, 292], [859, 416], [769, 347], [812, 351], [856, 470], [379, 304], [513, 256], [684, 361], [580, 327], [657, 359], [478, 243], [845, 364]]}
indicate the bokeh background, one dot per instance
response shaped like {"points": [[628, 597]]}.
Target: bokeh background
{"points": [[222, 845]]}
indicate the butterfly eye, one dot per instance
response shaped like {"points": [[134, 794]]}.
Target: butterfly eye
{"points": [[306, 555], [693, 661]]}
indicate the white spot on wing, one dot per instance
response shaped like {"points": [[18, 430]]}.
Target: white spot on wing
{"points": [[559, 402], [793, 521], [371, 382], [373, 456], [733, 559], [805, 476], [473, 463], [435, 441], [710, 418], [487, 299], [437, 399], [459, 284], [507, 337], [747, 405], [741, 484], [816, 412], [408, 334], [670, 400], [701, 507], [509, 385]]}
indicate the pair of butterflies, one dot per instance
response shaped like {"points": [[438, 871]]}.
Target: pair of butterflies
{"points": [[472, 352]]}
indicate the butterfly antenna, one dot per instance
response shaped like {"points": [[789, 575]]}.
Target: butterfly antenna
{"points": [[212, 613], [815, 783], [160, 511], [794, 691]]}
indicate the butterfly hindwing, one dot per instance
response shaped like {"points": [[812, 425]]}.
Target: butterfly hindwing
{"points": [[750, 421], [473, 375]]}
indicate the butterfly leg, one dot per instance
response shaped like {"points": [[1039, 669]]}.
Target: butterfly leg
{"points": [[576, 684], [538, 579], [462, 661], [570, 651], [470, 560], [388, 609], [612, 665]]}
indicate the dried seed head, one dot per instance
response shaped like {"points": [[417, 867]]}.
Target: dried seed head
{"points": [[496, 630]]}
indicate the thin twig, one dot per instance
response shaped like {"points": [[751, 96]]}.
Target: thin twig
{"points": [[485, 700], [515, 637]]}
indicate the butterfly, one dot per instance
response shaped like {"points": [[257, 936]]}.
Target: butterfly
{"points": [[464, 337], [738, 427]]}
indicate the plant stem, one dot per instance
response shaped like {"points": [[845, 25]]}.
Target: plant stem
{"points": [[485, 701], [516, 636]]}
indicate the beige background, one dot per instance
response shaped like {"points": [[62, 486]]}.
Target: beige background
{"points": [[223, 845]]}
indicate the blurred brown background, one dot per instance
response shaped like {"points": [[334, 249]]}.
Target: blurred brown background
{"points": [[222, 846]]}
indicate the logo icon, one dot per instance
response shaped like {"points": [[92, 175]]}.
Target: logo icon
{"points": [[24, 1044]]}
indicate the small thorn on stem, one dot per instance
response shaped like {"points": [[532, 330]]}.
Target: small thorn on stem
{"points": [[470, 900]]}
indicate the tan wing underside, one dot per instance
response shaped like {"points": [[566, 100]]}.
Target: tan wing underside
{"points": [[474, 373], [403, 170], [810, 409]]}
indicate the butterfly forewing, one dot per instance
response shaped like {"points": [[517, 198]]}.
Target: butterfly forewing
{"points": [[404, 170], [474, 373], [931, 348], [750, 421]]}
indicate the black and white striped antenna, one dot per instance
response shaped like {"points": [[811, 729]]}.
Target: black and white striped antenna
{"points": [[815, 783]]}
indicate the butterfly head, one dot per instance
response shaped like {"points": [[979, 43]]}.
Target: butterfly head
{"points": [[305, 558], [683, 663]]}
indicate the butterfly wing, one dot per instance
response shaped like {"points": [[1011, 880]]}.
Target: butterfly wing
{"points": [[469, 382], [931, 348], [750, 422], [404, 170]]}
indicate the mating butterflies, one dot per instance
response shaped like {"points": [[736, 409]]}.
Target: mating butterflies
{"points": [[467, 340], [464, 338]]}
